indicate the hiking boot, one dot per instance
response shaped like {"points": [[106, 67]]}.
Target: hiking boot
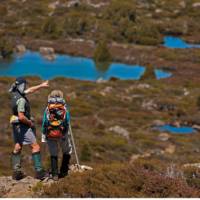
{"points": [[18, 175], [65, 165], [41, 175]]}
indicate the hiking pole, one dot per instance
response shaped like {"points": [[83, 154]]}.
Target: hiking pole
{"points": [[74, 146]]}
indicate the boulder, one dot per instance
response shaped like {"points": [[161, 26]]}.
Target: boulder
{"points": [[46, 50], [120, 131], [10, 188], [54, 5], [48, 53], [20, 48], [164, 137], [107, 90], [79, 168], [197, 127], [143, 86], [176, 124], [101, 80], [149, 105], [186, 92], [196, 5], [158, 123], [158, 11], [197, 165], [182, 4], [73, 3], [170, 149]]}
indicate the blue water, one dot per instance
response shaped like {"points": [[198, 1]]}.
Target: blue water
{"points": [[33, 64], [161, 74], [177, 130], [178, 43]]}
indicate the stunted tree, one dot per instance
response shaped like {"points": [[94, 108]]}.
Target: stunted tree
{"points": [[102, 53], [149, 73]]}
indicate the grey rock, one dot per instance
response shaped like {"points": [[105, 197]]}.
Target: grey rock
{"points": [[20, 48], [182, 4], [54, 5], [48, 53], [158, 123], [120, 131], [164, 137], [143, 86], [107, 90], [101, 80], [196, 5], [149, 105], [73, 3]]}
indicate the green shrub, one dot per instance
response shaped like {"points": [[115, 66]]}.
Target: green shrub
{"points": [[86, 153], [146, 33], [192, 175], [120, 9], [76, 23], [6, 47], [50, 27]]}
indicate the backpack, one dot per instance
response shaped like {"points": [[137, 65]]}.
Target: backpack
{"points": [[56, 116]]}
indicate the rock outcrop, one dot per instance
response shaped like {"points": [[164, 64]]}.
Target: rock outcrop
{"points": [[20, 48], [120, 131], [10, 188], [30, 187], [48, 53]]}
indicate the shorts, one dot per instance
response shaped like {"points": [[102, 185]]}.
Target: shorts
{"points": [[23, 134]]}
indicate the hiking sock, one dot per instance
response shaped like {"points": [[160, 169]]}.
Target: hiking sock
{"points": [[16, 166], [16, 161], [37, 161], [65, 165], [54, 165]]}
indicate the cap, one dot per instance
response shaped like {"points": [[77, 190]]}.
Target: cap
{"points": [[20, 80]]}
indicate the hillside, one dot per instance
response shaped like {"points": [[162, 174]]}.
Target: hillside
{"points": [[114, 121], [117, 127]]}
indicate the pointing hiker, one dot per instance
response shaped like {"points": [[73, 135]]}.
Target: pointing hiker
{"points": [[55, 132], [24, 132]]}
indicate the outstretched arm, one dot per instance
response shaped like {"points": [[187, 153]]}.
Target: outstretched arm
{"points": [[37, 87]]}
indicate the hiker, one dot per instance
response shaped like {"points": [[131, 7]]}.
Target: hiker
{"points": [[55, 131], [24, 131]]}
